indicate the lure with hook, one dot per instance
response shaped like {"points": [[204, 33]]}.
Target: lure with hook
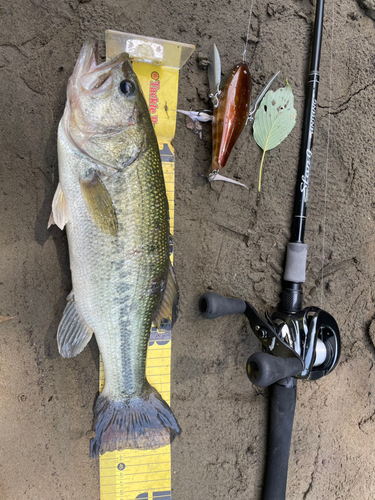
{"points": [[230, 98], [231, 110]]}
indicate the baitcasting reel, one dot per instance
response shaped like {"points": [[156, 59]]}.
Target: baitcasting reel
{"points": [[304, 345]]}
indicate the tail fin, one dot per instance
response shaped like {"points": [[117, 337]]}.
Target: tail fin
{"points": [[139, 422]]}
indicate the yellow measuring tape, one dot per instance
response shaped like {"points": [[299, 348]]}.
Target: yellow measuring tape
{"points": [[146, 474]]}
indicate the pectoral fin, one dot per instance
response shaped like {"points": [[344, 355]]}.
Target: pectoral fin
{"points": [[99, 203], [59, 214], [73, 333], [168, 308]]}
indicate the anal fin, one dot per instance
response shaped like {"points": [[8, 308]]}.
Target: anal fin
{"points": [[168, 308], [73, 333]]}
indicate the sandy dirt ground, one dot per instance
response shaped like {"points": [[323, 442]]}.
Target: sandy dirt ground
{"points": [[223, 242]]}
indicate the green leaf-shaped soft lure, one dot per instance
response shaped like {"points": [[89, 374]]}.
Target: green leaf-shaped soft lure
{"points": [[274, 121]]}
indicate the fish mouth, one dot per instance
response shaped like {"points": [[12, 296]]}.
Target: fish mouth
{"points": [[87, 60], [89, 75]]}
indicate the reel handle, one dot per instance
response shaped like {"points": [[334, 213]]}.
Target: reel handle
{"points": [[265, 369], [213, 305]]}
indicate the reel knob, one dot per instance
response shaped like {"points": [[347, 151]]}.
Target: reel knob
{"points": [[213, 305], [265, 369]]}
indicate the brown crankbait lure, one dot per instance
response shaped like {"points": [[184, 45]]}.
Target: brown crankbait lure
{"points": [[230, 115]]}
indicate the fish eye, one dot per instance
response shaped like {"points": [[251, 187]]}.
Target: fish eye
{"points": [[128, 88]]}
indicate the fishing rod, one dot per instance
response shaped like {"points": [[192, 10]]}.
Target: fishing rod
{"points": [[297, 343]]}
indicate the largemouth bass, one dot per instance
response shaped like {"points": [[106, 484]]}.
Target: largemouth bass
{"points": [[111, 197]]}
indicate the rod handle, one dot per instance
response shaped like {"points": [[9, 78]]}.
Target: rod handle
{"points": [[281, 415], [265, 369], [213, 305]]}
